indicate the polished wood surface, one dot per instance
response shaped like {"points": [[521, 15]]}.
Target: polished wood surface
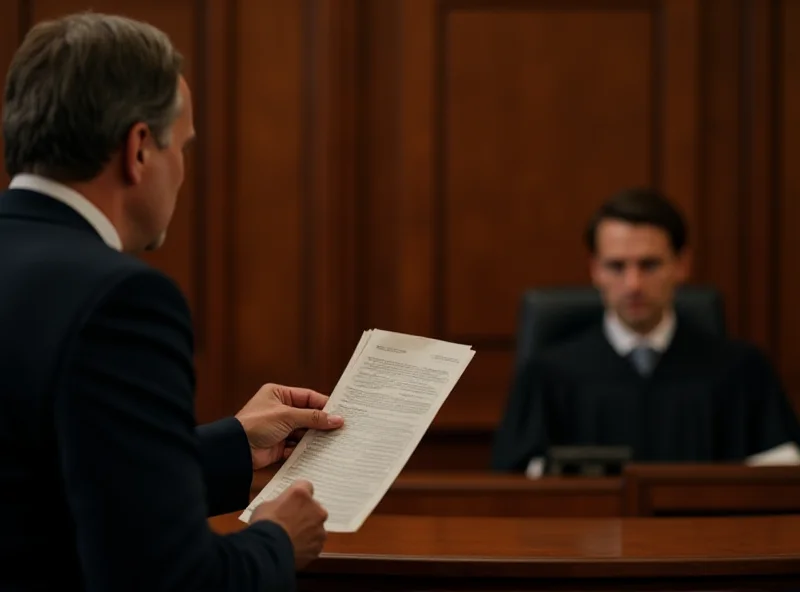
{"points": [[482, 531], [685, 490], [406, 552]]}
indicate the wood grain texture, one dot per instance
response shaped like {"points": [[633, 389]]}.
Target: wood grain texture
{"points": [[709, 490], [436, 553], [270, 276], [786, 45], [12, 24], [522, 182]]}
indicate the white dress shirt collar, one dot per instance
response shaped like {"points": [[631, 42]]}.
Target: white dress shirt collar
{"points": [[624, 340], [74, 200]]}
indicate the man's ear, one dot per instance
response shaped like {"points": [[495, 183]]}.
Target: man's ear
{"points": [[135, 153]]}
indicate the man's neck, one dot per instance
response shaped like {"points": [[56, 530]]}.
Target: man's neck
{"points": [[624, 338], [104, 193], [83, 198]]}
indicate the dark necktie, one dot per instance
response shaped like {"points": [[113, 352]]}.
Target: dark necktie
{"points": [[644, 359]]}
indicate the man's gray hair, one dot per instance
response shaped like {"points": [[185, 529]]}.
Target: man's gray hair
{"points": [[75, 88]]}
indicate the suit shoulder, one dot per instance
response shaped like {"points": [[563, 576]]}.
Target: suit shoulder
{"points": [[61, 276], [139, 288], [106, 272], [79, 259], [136, 306], [107, 284]]}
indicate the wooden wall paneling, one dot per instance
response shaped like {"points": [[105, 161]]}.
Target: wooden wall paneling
{"points": [[294, 247], [330, 111], [417, 258], [12, 16], [524, 156], [214, 124], [497, 158], [270, 252], [787, 128], [377, 191], [677, 64], [524, 159], [718, 234], [759, 159]]}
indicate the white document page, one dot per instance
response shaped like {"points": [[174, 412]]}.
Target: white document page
{"points": [[388, 395]]}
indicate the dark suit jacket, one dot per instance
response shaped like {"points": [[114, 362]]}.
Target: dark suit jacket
{"points": [[106, 483]]}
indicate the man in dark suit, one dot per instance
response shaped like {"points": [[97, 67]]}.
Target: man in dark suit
{"points": [[106, 482]]}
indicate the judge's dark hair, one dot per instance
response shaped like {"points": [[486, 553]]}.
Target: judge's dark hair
{"points": [[640, 206], [77, 85]]}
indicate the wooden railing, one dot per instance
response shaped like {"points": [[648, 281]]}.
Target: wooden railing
{"points": [[668, 527], [642, 490]]}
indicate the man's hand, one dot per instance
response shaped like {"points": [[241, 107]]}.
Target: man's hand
{"points": [[277, 416], [303, 519]]}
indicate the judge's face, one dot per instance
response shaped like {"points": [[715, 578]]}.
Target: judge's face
{"points": [[636, 270]]}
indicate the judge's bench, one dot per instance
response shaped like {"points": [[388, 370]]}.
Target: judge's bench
{"points": [[448, 523], [654, 527]]}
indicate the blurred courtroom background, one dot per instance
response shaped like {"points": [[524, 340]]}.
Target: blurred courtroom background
{"points": [[414, 165]]}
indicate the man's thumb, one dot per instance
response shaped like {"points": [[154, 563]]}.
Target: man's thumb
{"points": [[316, 419]]}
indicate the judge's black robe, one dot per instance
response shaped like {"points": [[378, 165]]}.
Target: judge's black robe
{"points": [[709, 399]]}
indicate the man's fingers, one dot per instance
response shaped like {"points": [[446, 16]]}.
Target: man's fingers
{"points": [[315, 419], [316, 400], [303, 484], [303, 398]]}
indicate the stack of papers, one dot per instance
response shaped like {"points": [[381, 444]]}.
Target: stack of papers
{"points": [[389, 394]]}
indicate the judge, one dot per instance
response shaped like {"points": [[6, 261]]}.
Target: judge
{"points": [[645, 377]]}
